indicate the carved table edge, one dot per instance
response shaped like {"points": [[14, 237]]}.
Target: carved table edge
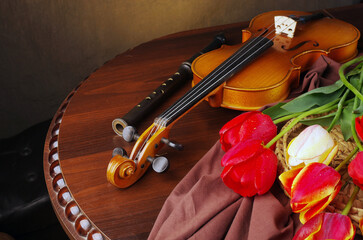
{"points": [[74, 221]]}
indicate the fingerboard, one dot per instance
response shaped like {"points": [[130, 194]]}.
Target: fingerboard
{"points": [[241, 58]]}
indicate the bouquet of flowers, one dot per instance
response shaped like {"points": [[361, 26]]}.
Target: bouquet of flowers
{"points": [[309, 154]]}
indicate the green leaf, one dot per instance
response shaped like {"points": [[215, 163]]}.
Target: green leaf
{"points": [[316, 97], [356, 70], [322, 121], [355, 81], [276, 111], [346, 120], [359, 110]]}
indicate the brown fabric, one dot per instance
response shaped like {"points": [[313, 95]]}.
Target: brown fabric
{"points": [[324, 72], [202, 207]]}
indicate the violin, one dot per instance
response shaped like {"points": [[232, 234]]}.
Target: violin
{"points": [[275, 48], [269, 78]]}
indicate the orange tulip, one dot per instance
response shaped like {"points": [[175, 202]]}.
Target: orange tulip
{"points": [[311, 188], [247, 126], [327, 226], [249, 168], [355, 170]]}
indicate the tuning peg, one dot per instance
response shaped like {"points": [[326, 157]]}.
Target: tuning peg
{"points": [[129, 134], [159, 164], [119, 151], [175, 145]]}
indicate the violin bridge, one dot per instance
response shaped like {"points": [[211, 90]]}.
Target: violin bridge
{"points": [[285, 25]]}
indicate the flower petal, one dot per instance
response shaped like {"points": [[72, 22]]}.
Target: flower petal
{"points": [[336, 226], [314, 182], [355, 170], [359, 127], [287, 178], [266, 168], [320, 206], [242, 152], [229, 133], [309, 229], [314, 144], [240, 178], [247, 126], [258, 126], [330, 156], [249, 168], [327, 226]]}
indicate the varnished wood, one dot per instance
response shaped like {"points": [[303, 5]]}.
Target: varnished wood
{"points": [[270, 77], [121, 172], [262, 81], [80, 140]]}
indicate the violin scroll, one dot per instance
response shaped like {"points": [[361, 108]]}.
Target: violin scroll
{"points": [[123, 171], [120, 171]]}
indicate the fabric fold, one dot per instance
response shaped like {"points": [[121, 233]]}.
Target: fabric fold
{"points": [[202, 207]]}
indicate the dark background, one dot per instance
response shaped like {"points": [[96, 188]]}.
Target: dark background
{"points": [[48, 47]]}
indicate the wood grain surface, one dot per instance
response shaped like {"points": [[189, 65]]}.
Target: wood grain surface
{"points": [[80, 140]]}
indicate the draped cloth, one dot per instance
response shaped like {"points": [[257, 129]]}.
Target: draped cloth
{"points": [[202, 207]]}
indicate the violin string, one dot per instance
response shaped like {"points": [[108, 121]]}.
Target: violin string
{"points": [[157, 126], [153, 130], [162, 120], [168, 114], [212, 77]]}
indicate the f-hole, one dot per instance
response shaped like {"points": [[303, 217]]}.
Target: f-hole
{"points": [[299, 45]]}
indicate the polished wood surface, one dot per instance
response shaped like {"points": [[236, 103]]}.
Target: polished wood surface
{"points": [[80, 140], [268, 78]]}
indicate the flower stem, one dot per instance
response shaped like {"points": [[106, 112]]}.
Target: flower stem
{"points": [[345, 81], [339, 111], [346, 159], [298, 118], [288, 117], [350, 202]]}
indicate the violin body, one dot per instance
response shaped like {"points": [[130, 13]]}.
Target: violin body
{"points": [[269, 78], [247, 76]]}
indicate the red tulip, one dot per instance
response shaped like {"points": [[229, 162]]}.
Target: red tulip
{"points": [[359, 127], [327, 226], [355, 170], [249, 168], [311, 188], [248, 125]]}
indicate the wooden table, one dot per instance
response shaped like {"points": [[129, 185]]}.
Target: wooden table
{"points": [[80, 140]]}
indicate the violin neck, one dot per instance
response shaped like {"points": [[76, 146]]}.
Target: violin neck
{"points": [[247, 53]]}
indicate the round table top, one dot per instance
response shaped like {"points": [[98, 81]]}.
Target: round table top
{"points": [[80, 139]]}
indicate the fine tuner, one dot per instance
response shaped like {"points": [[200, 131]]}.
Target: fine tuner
{"points": [[275, 48]]}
